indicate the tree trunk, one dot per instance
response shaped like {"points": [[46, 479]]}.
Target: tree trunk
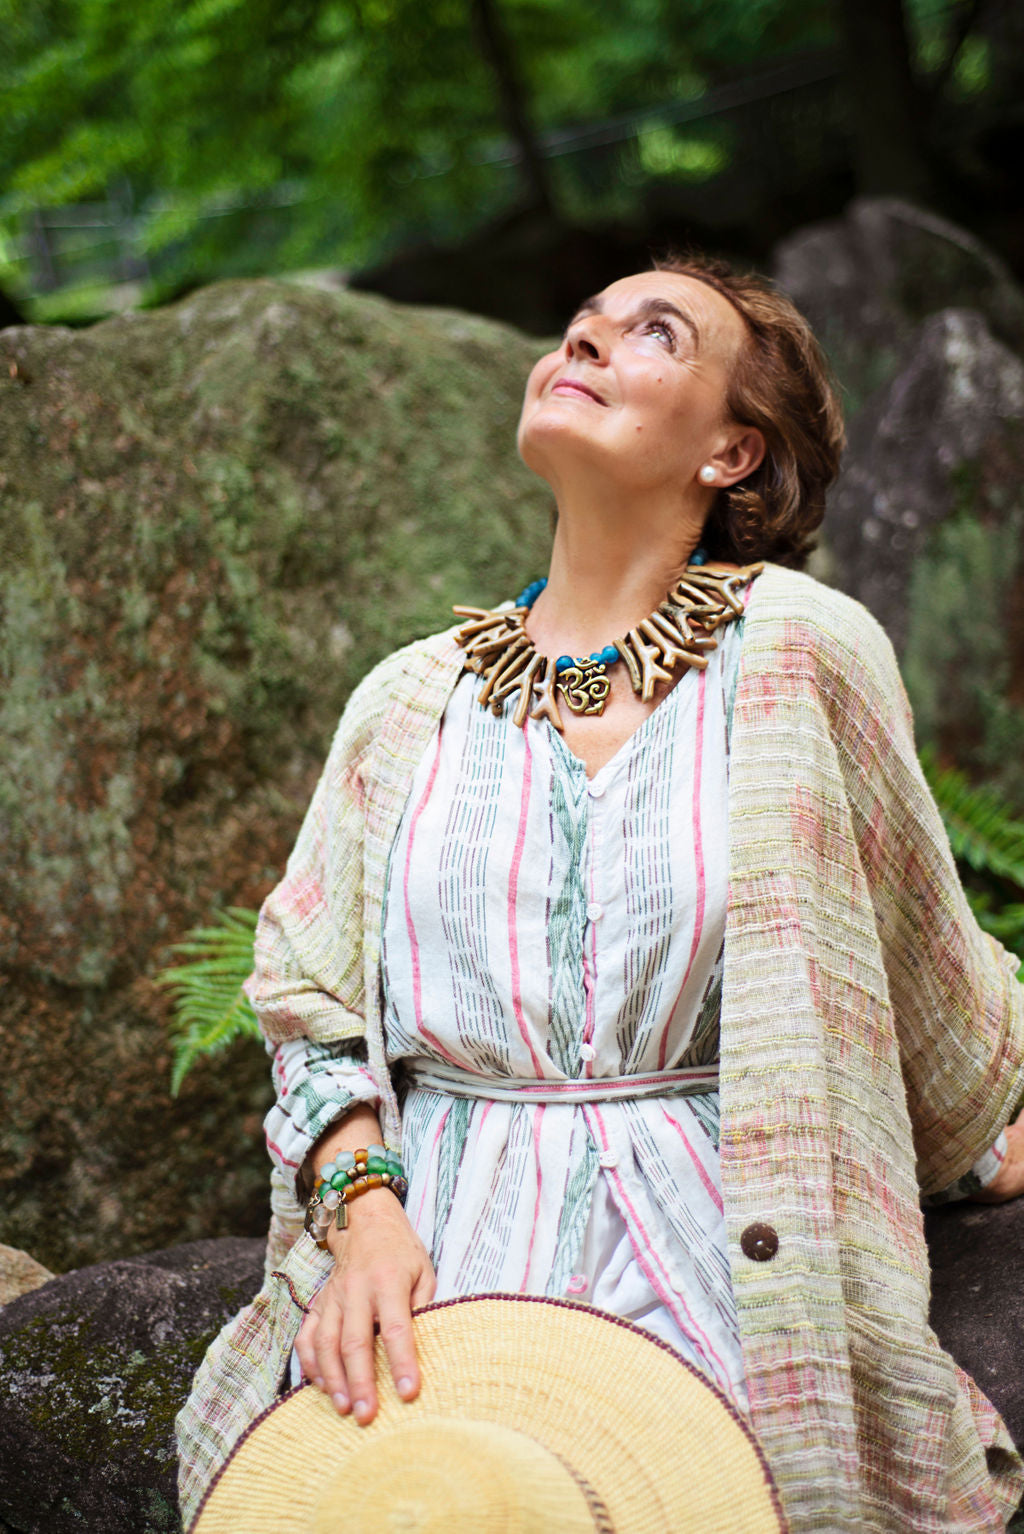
{"points": [[497, 49], [885, 110]]}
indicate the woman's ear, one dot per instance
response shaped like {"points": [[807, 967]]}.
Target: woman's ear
{"points": [[740, 457]]}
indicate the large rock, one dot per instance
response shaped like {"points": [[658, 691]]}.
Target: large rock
{"points": [[93, 1370], [866, 281], [977, 1313], [925, 527], [926, 330], [214, 518]]}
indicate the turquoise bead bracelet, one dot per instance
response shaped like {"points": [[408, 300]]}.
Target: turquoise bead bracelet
{"points": [[349, 1175]]}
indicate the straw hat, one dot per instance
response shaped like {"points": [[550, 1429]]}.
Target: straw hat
{"points": [[534, 1415]]}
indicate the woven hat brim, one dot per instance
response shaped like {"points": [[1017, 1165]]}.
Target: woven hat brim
{"points": [[663, 1448]]}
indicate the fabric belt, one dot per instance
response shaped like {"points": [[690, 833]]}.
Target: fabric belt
{"points": [[687, 1082]]}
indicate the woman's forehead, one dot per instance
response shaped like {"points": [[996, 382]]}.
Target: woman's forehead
{"points": [[715, 315]]}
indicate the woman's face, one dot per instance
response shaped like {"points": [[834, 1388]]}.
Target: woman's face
{"points": [[637, 388]]}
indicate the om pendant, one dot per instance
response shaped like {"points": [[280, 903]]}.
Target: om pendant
{"points": [[585, 686]]}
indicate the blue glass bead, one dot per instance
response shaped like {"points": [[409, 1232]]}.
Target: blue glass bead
{"points": [[609, 654], [345, 1161], [698, 557], [564, 662], [328, 1170], [530, 593]]}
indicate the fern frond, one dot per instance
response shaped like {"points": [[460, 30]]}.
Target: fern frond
{"points": [[210, 1007], [982, 832], [1005, 922]]}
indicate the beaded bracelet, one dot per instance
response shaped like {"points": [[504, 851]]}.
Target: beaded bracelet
{"points": [[349, 1175]]}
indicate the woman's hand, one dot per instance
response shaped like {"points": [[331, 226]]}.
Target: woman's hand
{"points": [[381, 1271], [1009, 1180]]}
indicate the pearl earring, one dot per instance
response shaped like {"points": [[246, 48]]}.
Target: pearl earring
{"points": [[707, 474]]}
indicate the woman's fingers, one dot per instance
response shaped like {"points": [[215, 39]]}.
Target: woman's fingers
{"points": [[356, 1349], [381, 1272], [305, 1346], [329, 1372], [424, 1287], [395, 1316]]}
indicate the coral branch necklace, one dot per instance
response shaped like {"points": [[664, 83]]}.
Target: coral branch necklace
{"points": [[679, 630]]}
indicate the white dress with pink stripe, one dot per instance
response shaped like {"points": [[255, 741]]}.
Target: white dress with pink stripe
{"points": [[545, 936]]}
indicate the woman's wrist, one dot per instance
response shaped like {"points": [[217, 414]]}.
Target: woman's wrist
{"points": [[358, 1127], [363, 1214], [1008, 1182], [343, 1174]]}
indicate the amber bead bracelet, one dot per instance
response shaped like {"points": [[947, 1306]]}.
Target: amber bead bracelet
{"points": [[347, 1177]]}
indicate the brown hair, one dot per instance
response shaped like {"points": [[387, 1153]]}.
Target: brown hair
{"points": [[781, 383]]}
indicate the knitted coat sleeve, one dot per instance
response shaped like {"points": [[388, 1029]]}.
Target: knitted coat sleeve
{"points": [[308, 980], [958, 1007]]}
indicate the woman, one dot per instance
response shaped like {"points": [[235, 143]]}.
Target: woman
{"points": [[662, 950]]}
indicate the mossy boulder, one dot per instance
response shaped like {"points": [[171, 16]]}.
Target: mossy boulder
{"points": [[94, 1367], [215, 517]]}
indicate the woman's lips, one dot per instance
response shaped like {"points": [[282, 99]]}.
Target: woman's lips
{"points": [[573, 386]]}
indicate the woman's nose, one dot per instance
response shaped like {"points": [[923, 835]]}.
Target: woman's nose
{"points": [[584, 339]]}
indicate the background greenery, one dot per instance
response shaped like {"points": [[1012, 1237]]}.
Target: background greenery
{"points": [[149, 148]]}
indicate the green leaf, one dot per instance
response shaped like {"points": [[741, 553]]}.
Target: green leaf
{"points": [[210, 1008], [982, 831]]}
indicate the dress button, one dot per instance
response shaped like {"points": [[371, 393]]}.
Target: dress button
{"points": [[588, 1052], [577, 1284], [759, 1243], [609, 1160], [595, 790], [594, 911]]}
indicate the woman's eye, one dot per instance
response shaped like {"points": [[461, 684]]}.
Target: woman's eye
{"points": [[663, 331]]}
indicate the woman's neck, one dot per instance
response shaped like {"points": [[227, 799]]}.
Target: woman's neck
{"points": [[610, 567]]}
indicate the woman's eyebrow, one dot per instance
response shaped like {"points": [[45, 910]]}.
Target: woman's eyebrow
{"points": [[651, 308], [648, 308]]}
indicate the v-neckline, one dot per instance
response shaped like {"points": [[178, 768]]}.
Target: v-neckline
{"points": [[609, 769]]}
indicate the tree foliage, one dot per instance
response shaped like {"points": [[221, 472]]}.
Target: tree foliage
{"points": [[251, 135]]}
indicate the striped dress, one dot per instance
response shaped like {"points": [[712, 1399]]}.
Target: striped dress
{"points": [[552, 969]]}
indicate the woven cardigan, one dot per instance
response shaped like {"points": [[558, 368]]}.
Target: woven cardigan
{"points": [[872, 1047]]}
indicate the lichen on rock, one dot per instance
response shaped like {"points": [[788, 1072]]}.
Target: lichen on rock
{"points": [[216, 517], [94, 1366]]}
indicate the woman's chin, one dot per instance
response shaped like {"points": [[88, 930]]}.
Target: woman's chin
{"points": [[553, 439]]}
